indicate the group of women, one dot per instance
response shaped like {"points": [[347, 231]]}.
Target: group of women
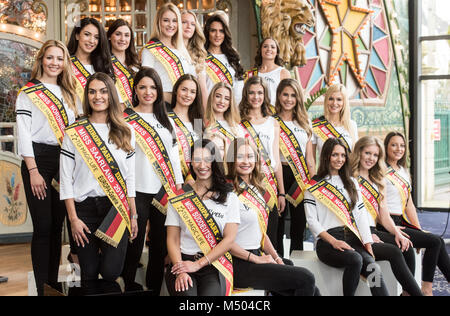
{"points": [[182, 141]]}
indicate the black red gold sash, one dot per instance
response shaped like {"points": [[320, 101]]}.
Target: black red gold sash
{"points": [[167, 58], [250, 198], [49, 104], [218, 128], [336, 202], [82, 76], [217, 71], [250, 73], [404, 190], [124, 81], [325, 130], [204, 230], [371, 197], [271, 195], [106, 171], [185, 142], [152, 146], [292, 152]]}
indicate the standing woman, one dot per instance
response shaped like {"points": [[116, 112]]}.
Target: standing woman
{"points": [[336, 121], [166, 52], [337, 218], [264, 130], [403, 211], [201, 262], [269, 65], [157, 159], [44, 107], [254, 257], [124, 58], [223, 63], [296, 153], [97, 181], [368, 167], [186, 116], [88, 46]]}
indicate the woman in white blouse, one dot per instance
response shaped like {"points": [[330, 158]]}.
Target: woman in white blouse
{"points": [[343, 245], [88, 204], [39, 147]]}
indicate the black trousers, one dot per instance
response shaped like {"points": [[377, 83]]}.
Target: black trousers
{"points": [[206, 282], [285, 280], [402, 263], [47, 216], [355, 263], [158, 244], [435, 252], [98, 257], [297, 214]]}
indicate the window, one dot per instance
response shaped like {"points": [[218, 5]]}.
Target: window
{"points": [[431, 128], [201, 7]]}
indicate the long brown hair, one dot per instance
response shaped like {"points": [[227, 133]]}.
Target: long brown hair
{"points": [[231, 115], [387, 139], [196, 44], [245, 107], [377, 172], [119, 131], [345, 172], [256, 177], [258, 57], [131, 56]]}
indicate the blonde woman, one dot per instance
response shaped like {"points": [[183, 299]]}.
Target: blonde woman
{"points": [[367, 162], [44, 107], [166, 52], [336, 121]]}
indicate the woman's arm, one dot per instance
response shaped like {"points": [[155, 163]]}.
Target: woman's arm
{"points": [[310, 161], [411, 212], [278, 170], [79, 228]]}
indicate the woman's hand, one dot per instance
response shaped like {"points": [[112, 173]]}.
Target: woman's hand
{"points": [[402, 242], [341, 245], [38, 185], [281, 204], [134, 229], [376, 239], [186, 267], [78, 232], [183, 282], [369, 249], [262, 259]]}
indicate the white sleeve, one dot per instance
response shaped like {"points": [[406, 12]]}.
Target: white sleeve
{"points": [[176, 165], [148, 60], [233, 206], [66, 169], [23, 119], [238, 86], [131, 164], [311, 215], [172, 218]]}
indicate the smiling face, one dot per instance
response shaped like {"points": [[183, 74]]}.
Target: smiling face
{"points": [[146, 91], [269, 49], [98, 96], [335, 103], [202, 163], [256, 96], [245, 161], [396, 148], [216, 34], [288, 99], [88, 38], [186, 93], [337, 159], [221, 101], [168, 24], [53, 62], [188, 23], [369, 157], [120, 39]]}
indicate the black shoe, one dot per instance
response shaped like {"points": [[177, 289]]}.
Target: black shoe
{"points": [[3, 279]]}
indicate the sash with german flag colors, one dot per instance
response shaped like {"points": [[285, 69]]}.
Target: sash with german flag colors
{"points": [[218, 128], [151, 144], [49, 104], [250, 198], [250, 73], [335, 201], [217, 71], [167, 58], [292, 152], [124, 81], [106, 171], [271, 195], [204, 230], [371, 197], [82, 76], [325, 130], [404, 189], [185, 142]]}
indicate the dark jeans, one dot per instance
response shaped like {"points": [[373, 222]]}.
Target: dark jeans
{"points": [[402, 263], [158, 245], [355, 263], [206, 282], [98, 257], [435, 252], [47, 216], [285, 280]]}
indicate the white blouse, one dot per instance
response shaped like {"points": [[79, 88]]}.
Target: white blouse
{"points": [[272, 79], [32, 124], [266, 133], [393, 197], [76, 179], [321, 219], [222, 214], [316, 140]]}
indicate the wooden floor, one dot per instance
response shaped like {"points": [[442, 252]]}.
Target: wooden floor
{"points": [[15, 262]]}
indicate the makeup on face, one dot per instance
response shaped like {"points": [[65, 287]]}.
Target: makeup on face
{"points": [[120, 38]]}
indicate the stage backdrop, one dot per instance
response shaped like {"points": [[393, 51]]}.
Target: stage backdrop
{"points": [[354, 42]]}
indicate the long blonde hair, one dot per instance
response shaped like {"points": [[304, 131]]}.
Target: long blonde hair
{"points": [[300, 113], [65, 80], [377, 172], [231, 115], [344, 115], [196, 44], [177, 39]]}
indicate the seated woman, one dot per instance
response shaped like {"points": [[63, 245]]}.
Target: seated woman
{"points": [[336, 216], [201, 263], [255, 260]]}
